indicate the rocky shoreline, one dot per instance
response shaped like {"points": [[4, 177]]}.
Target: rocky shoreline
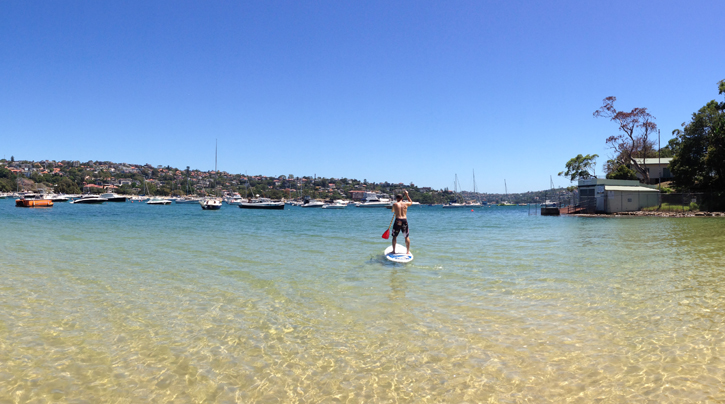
{"points": [[655, 214]]}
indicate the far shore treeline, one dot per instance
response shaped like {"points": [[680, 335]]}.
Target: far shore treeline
{"points": [[75, 177]]}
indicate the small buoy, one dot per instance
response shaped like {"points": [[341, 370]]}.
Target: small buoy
{"points": [[471, 210]]}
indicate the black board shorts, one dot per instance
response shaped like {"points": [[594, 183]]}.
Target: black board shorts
{"points": [[401, 225]]}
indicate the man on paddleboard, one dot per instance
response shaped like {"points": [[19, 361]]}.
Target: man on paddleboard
{"points": [[400, 209]]}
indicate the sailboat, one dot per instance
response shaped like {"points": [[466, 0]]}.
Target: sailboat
{"points": [[188, 198], [477, 203], [259, 203], [505, 201], [211, 203], [458, 203]]}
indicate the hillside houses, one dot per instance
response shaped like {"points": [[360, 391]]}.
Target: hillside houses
{"points": [[101, 176]]}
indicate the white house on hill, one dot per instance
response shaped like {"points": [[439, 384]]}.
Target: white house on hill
{"points": [[657, 168]]}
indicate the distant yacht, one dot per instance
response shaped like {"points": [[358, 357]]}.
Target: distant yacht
{"points": [[89, 199], [234, 199], [158, 201], [459, 197], [187, 199], [112, 197], [262, 203], [211, 203], [312, 203], [59, 197], [373, 200], [335, 205]]}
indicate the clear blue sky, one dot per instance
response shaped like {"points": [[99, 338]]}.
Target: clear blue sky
{"points": [[400, 91]]}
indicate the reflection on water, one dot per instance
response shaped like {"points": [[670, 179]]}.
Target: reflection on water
{"points": [[138, 305]]}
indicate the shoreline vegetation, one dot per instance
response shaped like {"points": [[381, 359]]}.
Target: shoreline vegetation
{"points": [[96, 177]]}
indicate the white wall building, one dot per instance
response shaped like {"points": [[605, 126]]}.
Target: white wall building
{"points": [[656, 167], [613, 196]]}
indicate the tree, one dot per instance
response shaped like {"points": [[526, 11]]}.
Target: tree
{"points": [[579, 166], [67, 186], [622, 172], [699, 161], [636, 127]]}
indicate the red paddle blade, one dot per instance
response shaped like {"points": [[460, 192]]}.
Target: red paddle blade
{"points": [[386, 235]]}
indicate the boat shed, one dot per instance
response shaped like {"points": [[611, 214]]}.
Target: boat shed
{"points": [[613, 196]]}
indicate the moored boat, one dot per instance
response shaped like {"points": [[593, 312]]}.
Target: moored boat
{"points": [[113, 197], [33, 201], [335, 205], [187, 200], [158, 201], [372, 200], [312, 203], [89, 199], [211, 203], [262, 203], [59, 198]]}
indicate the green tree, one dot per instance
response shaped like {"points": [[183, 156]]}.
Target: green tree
{"points": [[699, 162], [622, 172], [579, 167]]}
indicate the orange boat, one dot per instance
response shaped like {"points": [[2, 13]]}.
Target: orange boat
{"points": [[29, 201]]}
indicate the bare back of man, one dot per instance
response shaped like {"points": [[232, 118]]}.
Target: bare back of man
{"points": [[400, 209]]}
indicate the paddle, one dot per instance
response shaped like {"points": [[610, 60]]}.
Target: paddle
{"points": [[386, 235]]}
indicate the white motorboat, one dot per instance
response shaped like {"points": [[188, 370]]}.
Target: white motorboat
{"points": [[113, 197], [262, 203], [312, 203], [235, 200], [138, 198], [211, 203], [335, 205], [188, 200], [58, 197], [89, 199], [372, 200], [158, 201]]}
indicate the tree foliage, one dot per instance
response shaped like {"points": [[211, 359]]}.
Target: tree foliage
{"points": [[622, 172], [67, 186], [635, 127], [579, 167], [699, 162]]}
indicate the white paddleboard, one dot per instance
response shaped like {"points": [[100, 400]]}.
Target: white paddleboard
{"points": [[399, 256]]}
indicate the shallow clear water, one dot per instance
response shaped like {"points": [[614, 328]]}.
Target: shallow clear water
{"points": [[131, 303]]}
